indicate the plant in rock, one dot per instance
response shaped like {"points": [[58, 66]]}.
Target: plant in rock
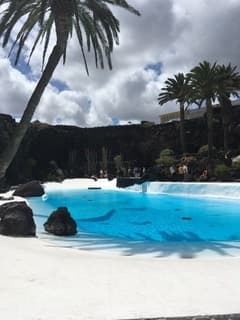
{"points": [[166, 158], [91, 20], [203, 151], [222, 172], [118, 161]]}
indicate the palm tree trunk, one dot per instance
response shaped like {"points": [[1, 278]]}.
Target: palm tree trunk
{"points": [[226, 119], [8, 154], [182, 129], [225, 136], [210, 134]]}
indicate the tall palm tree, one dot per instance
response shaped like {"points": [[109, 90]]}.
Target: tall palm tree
{"points": [[91, 20], [204, 86], [228, 83], [177, 88]]}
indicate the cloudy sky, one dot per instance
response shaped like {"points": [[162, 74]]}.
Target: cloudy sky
{"points": [[171, 36]]}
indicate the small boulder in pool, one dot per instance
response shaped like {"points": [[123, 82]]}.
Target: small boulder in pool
{"points": [[60, 223], [16, 219]]}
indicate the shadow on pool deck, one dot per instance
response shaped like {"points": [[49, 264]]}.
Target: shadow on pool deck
{"points": [[184, 249]]}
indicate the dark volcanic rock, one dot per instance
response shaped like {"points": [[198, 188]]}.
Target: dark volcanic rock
{"points": [[17, 220], [7, 126], [127, 182], [70, 146], [29, 189], [60, 223], [3, 189]]}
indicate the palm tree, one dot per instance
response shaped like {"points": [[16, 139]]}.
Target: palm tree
{"points": [[228, 83], [204, 86], [177, 88], [91, 20]]}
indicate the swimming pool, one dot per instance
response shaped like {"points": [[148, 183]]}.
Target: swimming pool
{"points": [[137, 216]]}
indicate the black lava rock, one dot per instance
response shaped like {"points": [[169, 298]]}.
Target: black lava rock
{"points": [[16, 219], [29, 189], [60, 223]]}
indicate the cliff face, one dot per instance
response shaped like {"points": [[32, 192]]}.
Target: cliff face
{"points": [[7, 125], [80, 151]]}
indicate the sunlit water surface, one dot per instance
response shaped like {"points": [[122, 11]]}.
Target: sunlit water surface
{"points": [[142, 216]]}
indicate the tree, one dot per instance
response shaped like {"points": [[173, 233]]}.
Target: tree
{"points": [[105, 158], [118, 161], [228, 83], [91, 20], [177, 88], [204, 87]]}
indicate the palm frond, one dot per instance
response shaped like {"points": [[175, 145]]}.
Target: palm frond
{"points": [[92, 21], [176, 88]]}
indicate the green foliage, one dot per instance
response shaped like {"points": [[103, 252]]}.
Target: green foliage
{"points": [[166, 153], [203, 81], [118, 161], [222, 171], [166, 161], [228, 83], [203, 151], [176, 88], [52, 177], [236, 165], [147, 124], [166, 158], [91, 20]]}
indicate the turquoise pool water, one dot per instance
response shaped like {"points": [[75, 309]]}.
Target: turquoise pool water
{"points": [[141, 216]]}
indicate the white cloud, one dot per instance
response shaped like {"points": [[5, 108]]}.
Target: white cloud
{"points": [[176, 33]]}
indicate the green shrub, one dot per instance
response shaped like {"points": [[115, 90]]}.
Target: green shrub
{"points": [[166, 153], [222, 171], [236, 165], [203, 151], [147, 124], [52, 177], [118, 161], [166, 161], [166, 158]]}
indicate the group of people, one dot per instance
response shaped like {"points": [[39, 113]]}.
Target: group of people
{"points": [[184, 172], [181, 171], [103, 173], [136, 172]]}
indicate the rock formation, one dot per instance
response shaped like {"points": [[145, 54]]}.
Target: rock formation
{"points": [[16, 219], [70, 147], [29, 189], [60, 223]]}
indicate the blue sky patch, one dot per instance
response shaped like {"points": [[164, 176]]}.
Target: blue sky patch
{"points": [[115, 121], [157, 67], [59, 120], [22, 66], [61, 86], [25, 69]]}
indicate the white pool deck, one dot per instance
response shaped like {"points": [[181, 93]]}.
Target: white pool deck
{"points": [[102, 281]]}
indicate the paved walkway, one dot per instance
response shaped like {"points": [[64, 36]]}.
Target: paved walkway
{"points": [[39, 281]]}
